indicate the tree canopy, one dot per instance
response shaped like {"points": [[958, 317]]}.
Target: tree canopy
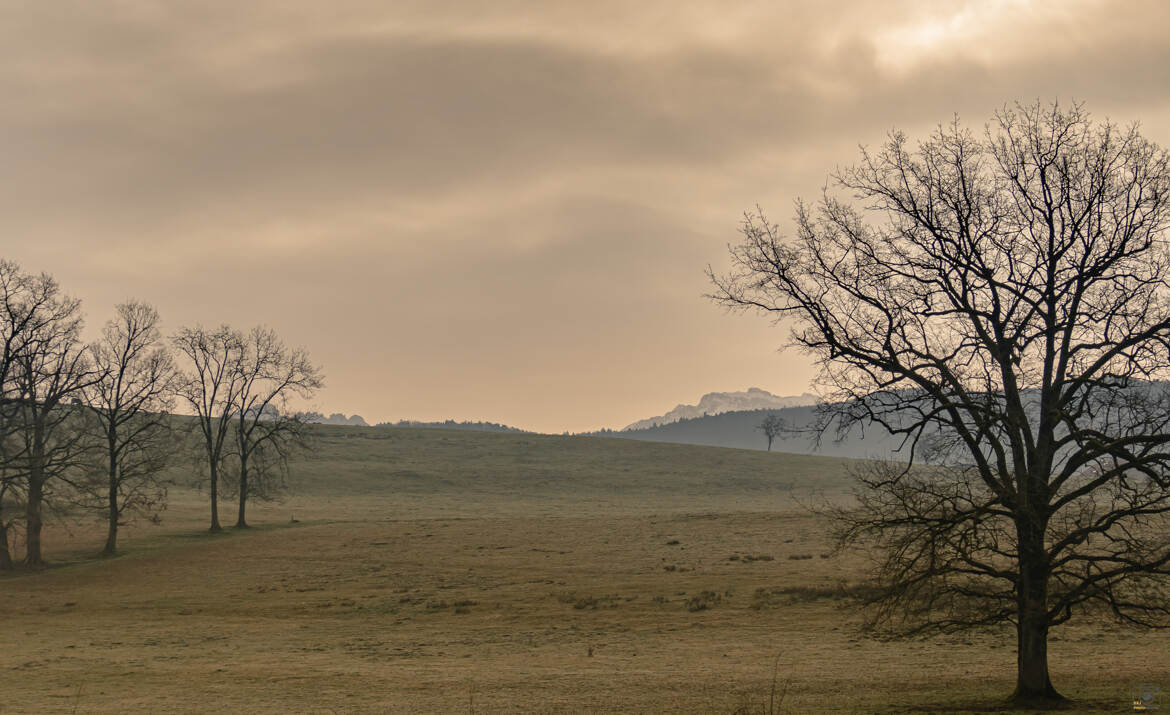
{"points": [[999, 299]]}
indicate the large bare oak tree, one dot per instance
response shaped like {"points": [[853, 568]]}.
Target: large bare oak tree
{"points": [[1000, 300]]}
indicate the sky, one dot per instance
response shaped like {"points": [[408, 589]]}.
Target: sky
{"points": [[495, 211]]}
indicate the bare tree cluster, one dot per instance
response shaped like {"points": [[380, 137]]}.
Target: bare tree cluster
{"points": [[238, 386], [1001, 301], [90, 427]]}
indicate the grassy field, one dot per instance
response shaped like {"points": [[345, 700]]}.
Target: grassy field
{"points": [[437, 571]]}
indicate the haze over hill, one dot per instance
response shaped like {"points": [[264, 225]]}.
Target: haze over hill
{"points": [[740, 429], [715, 403]]}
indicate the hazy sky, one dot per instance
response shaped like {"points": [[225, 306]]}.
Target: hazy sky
{"points": [[494, 210]]}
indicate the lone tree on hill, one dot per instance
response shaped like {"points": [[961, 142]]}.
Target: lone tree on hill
{"points": [[1000, 301], [772, 426]]}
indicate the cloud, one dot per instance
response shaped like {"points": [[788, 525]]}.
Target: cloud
{"points": [[529, 184]]}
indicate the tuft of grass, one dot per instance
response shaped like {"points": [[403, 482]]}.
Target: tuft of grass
{"points": [[703, 600], [786, 596], [591, 603]]}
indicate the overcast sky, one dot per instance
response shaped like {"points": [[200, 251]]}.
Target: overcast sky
{"points": [[494, 210]]}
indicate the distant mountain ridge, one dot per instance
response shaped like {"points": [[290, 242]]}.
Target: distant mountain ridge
{"points": [[867, 440], [716, 403]]}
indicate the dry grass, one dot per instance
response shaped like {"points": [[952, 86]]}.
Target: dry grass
{"points": [[391, 602]]}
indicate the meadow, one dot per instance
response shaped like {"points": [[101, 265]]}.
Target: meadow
{"points": [[421, 570]]}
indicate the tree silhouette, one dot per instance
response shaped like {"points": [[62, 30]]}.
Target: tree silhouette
{"points": [[1008, 315], [263, 434], [771, 426], [211, 388], [130, 403], [46, 370]]}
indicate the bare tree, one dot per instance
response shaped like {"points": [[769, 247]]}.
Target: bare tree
{"points": [[1008, 315], [26, 304], [771, 426], [269, 373], [50, 371], [131, 403], [211, 387]]}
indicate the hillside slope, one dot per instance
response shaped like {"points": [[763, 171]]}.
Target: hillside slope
{"points": [[434, 469]]}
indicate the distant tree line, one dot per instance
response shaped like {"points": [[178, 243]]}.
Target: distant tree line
{"points": [[89, 427], [452, 424], [337, 418]]}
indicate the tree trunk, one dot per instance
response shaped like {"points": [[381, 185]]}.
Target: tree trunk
{"points": [[1033, 686], [241, 522], [112, 536], [1032, 682], [214, 497], [769, 444], [5, 555], [33, 520]]}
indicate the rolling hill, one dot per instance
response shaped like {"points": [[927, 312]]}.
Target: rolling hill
{"points": [[440, 471]]}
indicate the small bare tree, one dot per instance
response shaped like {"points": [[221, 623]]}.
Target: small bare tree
{"points": [[210, 386], [772, 426], [1009, 312], [131, 403], [264, 435]]}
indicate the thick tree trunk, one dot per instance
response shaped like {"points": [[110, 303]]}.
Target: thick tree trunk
{"points": [[241, 522], [1032, 682], [112, 535], [214, 497], [1033, 686]]}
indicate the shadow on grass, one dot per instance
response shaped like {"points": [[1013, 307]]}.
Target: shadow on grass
{"points": [[147, 546], [230, 531], [1087, 705]]}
